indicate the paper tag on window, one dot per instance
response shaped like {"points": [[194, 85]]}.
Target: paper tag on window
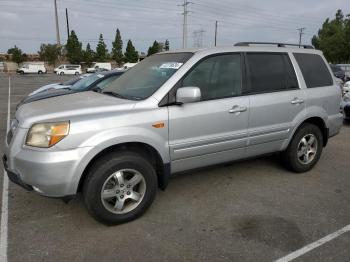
{"points": [[171, 65]]}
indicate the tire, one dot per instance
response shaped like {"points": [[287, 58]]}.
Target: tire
{"points": [[61, 73], [40, 72], [76, 73], [102, 175], [294, 158], [21, 72]]}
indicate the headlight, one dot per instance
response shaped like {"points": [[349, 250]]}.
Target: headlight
{"points": [[47, 134]]}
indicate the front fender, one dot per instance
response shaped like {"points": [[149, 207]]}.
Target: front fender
{"points": [[98, 142]]}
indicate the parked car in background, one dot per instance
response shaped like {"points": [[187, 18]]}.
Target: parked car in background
{"points": [[61, 85], [173, 112], [345, 106], [97, 81], [68, 70], [99, 66], [346, 87], [345, 68], [32, 69], [339, 73], [127, 66]]}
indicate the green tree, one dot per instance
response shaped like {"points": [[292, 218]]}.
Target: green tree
{"points": [[117, 48], [74, 49], [101, 50], [333, 39], [49, 53], [155, 48], [88, 55], [17, 55], [167, 45], [131, 54]]}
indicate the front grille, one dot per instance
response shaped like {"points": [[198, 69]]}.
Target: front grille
{"points": [[9, 137], [13, 127]]}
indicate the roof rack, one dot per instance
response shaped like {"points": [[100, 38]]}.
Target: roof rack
{"points": [[272, 43]]}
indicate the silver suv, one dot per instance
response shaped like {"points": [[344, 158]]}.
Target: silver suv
{"points": [[174, 111]]}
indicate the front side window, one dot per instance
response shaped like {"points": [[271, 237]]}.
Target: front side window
{"points": [[269, 72], [314, 70], [217, 77], [148, 76]]}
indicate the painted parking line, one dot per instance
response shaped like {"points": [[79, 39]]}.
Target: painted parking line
{"points": [[5, 187], [314, 245]]}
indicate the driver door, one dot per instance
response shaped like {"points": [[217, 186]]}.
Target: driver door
{"points": [[213, 130]]}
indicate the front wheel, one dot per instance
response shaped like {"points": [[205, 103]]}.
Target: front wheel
{"points": [[305, 149], [76, 73], [61, 74], [40, 72], [120, 187]]}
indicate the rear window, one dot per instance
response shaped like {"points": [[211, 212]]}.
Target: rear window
{"points": [[314, 70]]}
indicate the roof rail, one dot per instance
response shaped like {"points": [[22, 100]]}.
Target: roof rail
{"points": [[272, 43]]}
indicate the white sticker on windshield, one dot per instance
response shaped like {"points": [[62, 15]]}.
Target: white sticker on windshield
{"points": [[171, 65], [100, 76]]}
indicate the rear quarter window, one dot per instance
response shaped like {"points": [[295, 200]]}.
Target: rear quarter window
{"points": [[314, 70]]}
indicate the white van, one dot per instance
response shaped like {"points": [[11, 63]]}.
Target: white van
{"points": [[68, 70], [99, 67], [127, 66], [32, 68]]}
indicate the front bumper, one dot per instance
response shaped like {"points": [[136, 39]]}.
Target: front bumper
{"points": [[53, 172]]}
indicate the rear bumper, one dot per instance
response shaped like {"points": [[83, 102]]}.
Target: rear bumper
{"points": [[335, 122]]}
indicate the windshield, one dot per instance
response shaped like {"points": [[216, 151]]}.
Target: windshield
{"points": [[86, 82], [148, 76], [71, 81]]}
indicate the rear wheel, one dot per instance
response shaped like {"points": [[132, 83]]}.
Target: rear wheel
{"points": [[305, 149], [76, 73], [119, 187], [40, 72]]}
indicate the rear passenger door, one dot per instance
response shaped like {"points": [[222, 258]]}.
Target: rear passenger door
{"points": [[276, 101]]}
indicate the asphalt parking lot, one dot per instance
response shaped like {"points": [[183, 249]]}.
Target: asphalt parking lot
{"points": [[252, 210]]}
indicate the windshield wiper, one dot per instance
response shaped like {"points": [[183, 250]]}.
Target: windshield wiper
{"points": [[111, 93]]}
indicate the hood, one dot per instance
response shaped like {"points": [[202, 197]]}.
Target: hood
{"points": [[44, 95], [63, 108], [47, 87]]}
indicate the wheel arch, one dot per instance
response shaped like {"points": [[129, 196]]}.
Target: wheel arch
{"points": [[317, 121], [145, 150]]}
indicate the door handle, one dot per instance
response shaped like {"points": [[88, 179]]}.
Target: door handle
{"points": [[296, 101], [237, 109]]}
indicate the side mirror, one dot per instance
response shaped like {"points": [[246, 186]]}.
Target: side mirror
{"points": [[188, 94]]}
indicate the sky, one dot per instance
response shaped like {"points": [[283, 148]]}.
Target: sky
{"points": [[28, 23]]}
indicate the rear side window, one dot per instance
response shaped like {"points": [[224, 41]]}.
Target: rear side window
{"points": [[315, 71], [270, 72]]}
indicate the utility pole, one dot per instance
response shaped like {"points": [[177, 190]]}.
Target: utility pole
{"points": [[216, 32], [301, 29], [67, 22], [184, 30], [57, 27]]}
